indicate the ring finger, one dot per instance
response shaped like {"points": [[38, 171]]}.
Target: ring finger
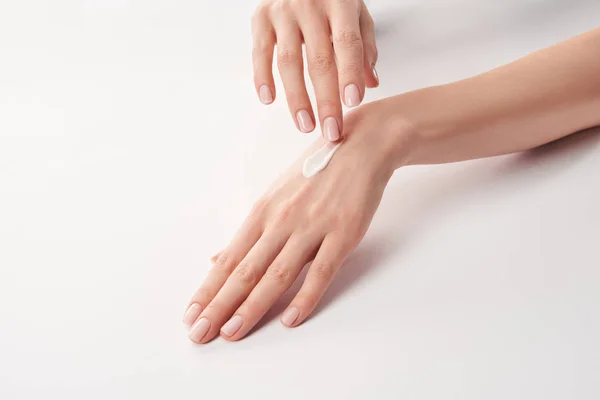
{"points": [[291, 69]]}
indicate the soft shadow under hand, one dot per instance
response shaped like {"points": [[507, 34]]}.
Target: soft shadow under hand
{"points": [[371, 255]]}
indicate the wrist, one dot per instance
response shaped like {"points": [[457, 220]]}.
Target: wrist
{"points": [[419, 123], [397, 128]]}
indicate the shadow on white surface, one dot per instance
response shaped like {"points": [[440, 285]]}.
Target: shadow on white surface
{"points": [[551, 159], [431, 194]]}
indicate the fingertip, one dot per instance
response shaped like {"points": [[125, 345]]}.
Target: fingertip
{"points": [[232, 338], [305, 121], [265, 94], [352, 96], [375, 75], [371, 77], [332, 129], [290, 318]]}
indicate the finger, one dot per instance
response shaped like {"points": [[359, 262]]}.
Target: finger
{"points": [[214, 258], [291, 69], [323, 73], [280, 275], [347, 43], [237, 287], [263, 37], [224, 264], [330, 257], [367, 28]]}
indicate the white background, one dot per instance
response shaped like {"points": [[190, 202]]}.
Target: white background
{"points": [[132, 145]]}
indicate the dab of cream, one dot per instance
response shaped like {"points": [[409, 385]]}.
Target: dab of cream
{"points": [[319, 160]]}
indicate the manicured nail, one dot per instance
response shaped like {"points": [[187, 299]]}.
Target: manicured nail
{"points": [[232, 326], [375, 74], [265, 94], [351, 95], [192, 313], [200, 329], [331, 130], [305, 122], [290, 316]]}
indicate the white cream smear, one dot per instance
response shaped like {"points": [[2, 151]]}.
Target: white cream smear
{"points": [[319, 160]]}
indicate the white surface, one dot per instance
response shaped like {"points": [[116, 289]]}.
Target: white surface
{"points": [[477, 280]]}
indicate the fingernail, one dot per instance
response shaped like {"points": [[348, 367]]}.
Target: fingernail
{"points": [[265, 94], [375, 74], [200, 329], [351, 95], [305, 122], [331, 130], [192, 313], [232, 326], [290, 316]]}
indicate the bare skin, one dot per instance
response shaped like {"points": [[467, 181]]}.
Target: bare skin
{"points": [[532, 101]]}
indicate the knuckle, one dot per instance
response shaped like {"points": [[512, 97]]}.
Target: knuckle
{"points": [[287, 56], [315, 211], [348, 215], [296, 4], [224, 263], [323, 271], [259, 16], [351, 68], [277, 7], [321, 63], [328, 107], [258, 208], [347, 38], [213, 308], [279, 273], [283, 212], [246, 273], [261, 47], [202, 295]]}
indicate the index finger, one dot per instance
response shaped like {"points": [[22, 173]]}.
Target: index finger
{"points": [[323, 73]]}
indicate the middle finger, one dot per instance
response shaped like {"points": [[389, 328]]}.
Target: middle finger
{"points": [[323, 72], [291, 69]]}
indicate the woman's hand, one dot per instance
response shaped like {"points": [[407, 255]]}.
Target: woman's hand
{"points": [[298, 220], [338, 71]]}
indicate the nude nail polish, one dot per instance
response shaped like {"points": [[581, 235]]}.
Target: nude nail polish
{"points": [[290, 316], [232, 326], [192, 313], [266, 97], [375, 74], [305, 122], [200, 329], [330, 129], [351, 95]]}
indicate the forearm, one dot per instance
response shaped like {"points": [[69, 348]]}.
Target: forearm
{"points": [[532, 101]]}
